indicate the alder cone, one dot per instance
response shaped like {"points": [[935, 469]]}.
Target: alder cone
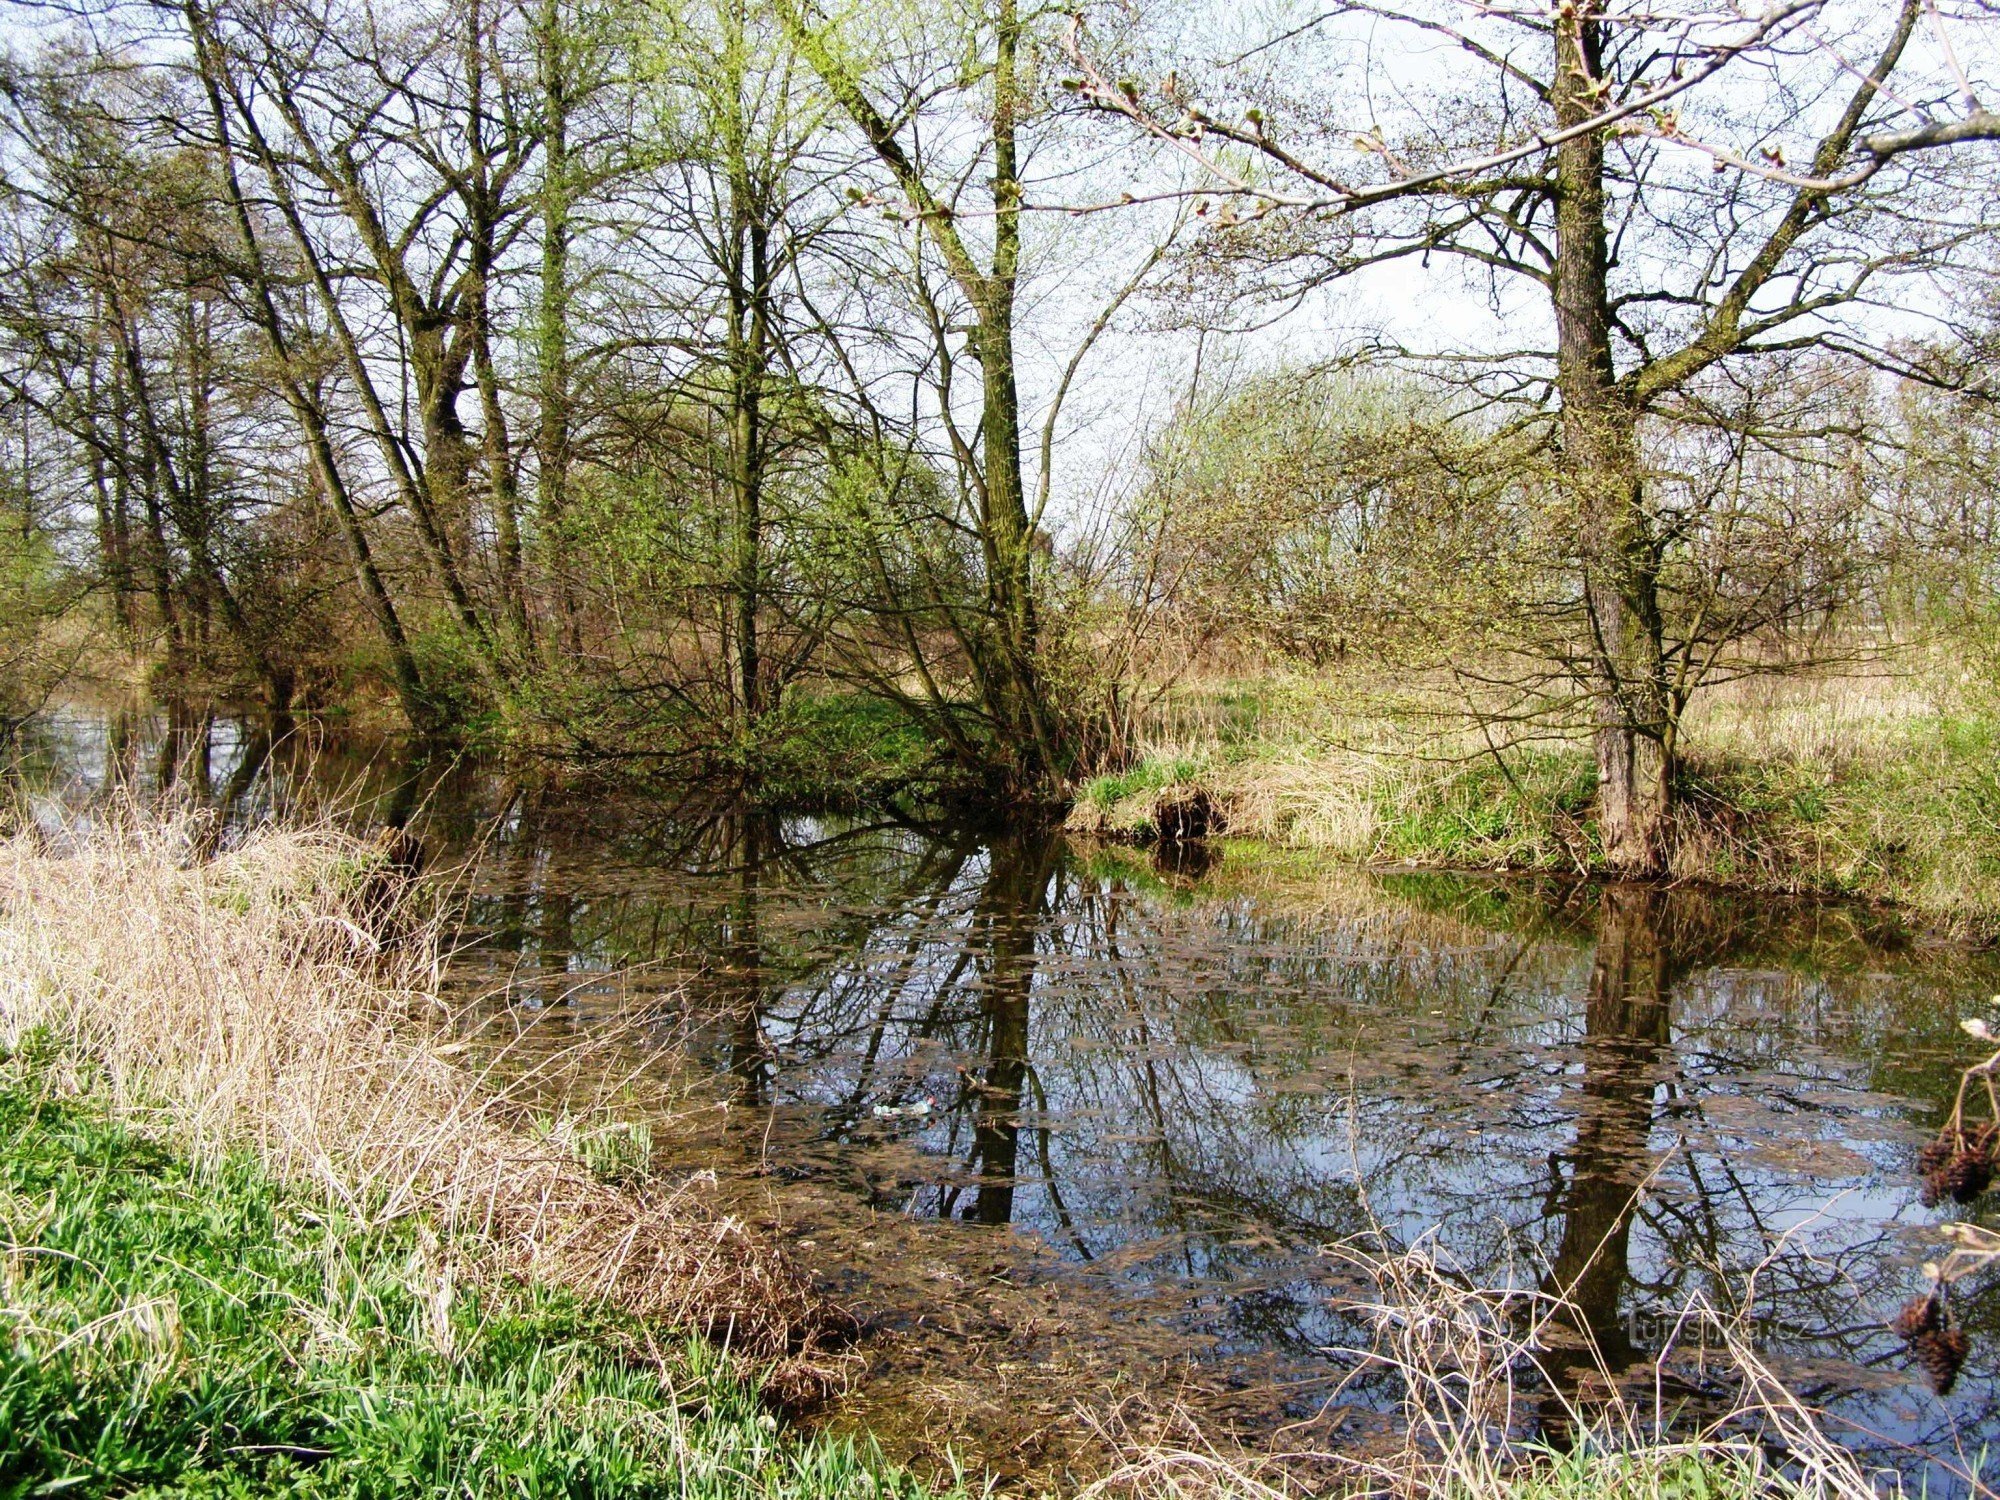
{"points": [[1920, 1315], [1937, 1153], [1968, 1174], [1934, 1191], [1959, 1164], [1941, 1351]]}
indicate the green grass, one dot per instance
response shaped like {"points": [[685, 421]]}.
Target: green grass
{"points": [[1592, 1472], [839, 749], [1915, 820], [1532, 814], [1863, 788], [1153, 774], [173, 1329]]}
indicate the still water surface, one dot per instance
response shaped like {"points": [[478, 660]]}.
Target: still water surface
{"points": [[1062, 1118]]}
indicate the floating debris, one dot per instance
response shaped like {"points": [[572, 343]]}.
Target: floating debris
{"points": [[915, 1111]]}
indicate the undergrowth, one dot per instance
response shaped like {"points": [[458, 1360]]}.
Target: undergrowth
{"points": [[840, 750]]}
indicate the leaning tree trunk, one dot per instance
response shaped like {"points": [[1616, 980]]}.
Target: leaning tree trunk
{"points": [[1601, 470], [1027, 732], [305, 406], [1022, 714]]}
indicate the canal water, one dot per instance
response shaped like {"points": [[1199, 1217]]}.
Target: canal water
{"points": [[1074, 1127]]}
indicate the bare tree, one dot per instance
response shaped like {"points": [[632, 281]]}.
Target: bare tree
{"points": [[396, 162], [127, 341], [1006, 660], [1680, 190]]}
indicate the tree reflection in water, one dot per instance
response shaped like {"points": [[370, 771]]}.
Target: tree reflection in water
{"points": [[1006, 927], [1194, 1090], [1627, 1034], [1184, 1080], [748, 837]]}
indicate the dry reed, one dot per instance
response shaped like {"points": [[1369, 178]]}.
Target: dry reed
{"points": [[284, 998], [1480, 1367]]}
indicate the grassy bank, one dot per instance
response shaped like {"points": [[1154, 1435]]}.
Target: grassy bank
{"points": [[185, 1329], [198, 1328], [285, 998], [248, 1058], [1883, 789]]}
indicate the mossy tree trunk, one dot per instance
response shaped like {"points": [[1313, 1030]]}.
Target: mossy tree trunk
{"points": [[1603, 479]]}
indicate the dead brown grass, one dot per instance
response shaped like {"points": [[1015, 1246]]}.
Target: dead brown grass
{"points": [[1477, 1366], [284, 998]]}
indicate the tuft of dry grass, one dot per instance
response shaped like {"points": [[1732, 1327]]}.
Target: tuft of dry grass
{"points": [[284, 997], [1480, 1366], [1475, 1363]]}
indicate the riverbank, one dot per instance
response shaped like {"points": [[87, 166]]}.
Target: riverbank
{"points": [[183, 1329], [199, 1328], [274, 1230], [253, 1051], [1879, 789]]}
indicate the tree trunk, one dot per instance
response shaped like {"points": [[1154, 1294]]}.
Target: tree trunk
{"points": [[1005, 530], [502, 490], [749, 353], [483, 211], [114, 521], [552, 361], [1601, 470], [747, 465]]}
